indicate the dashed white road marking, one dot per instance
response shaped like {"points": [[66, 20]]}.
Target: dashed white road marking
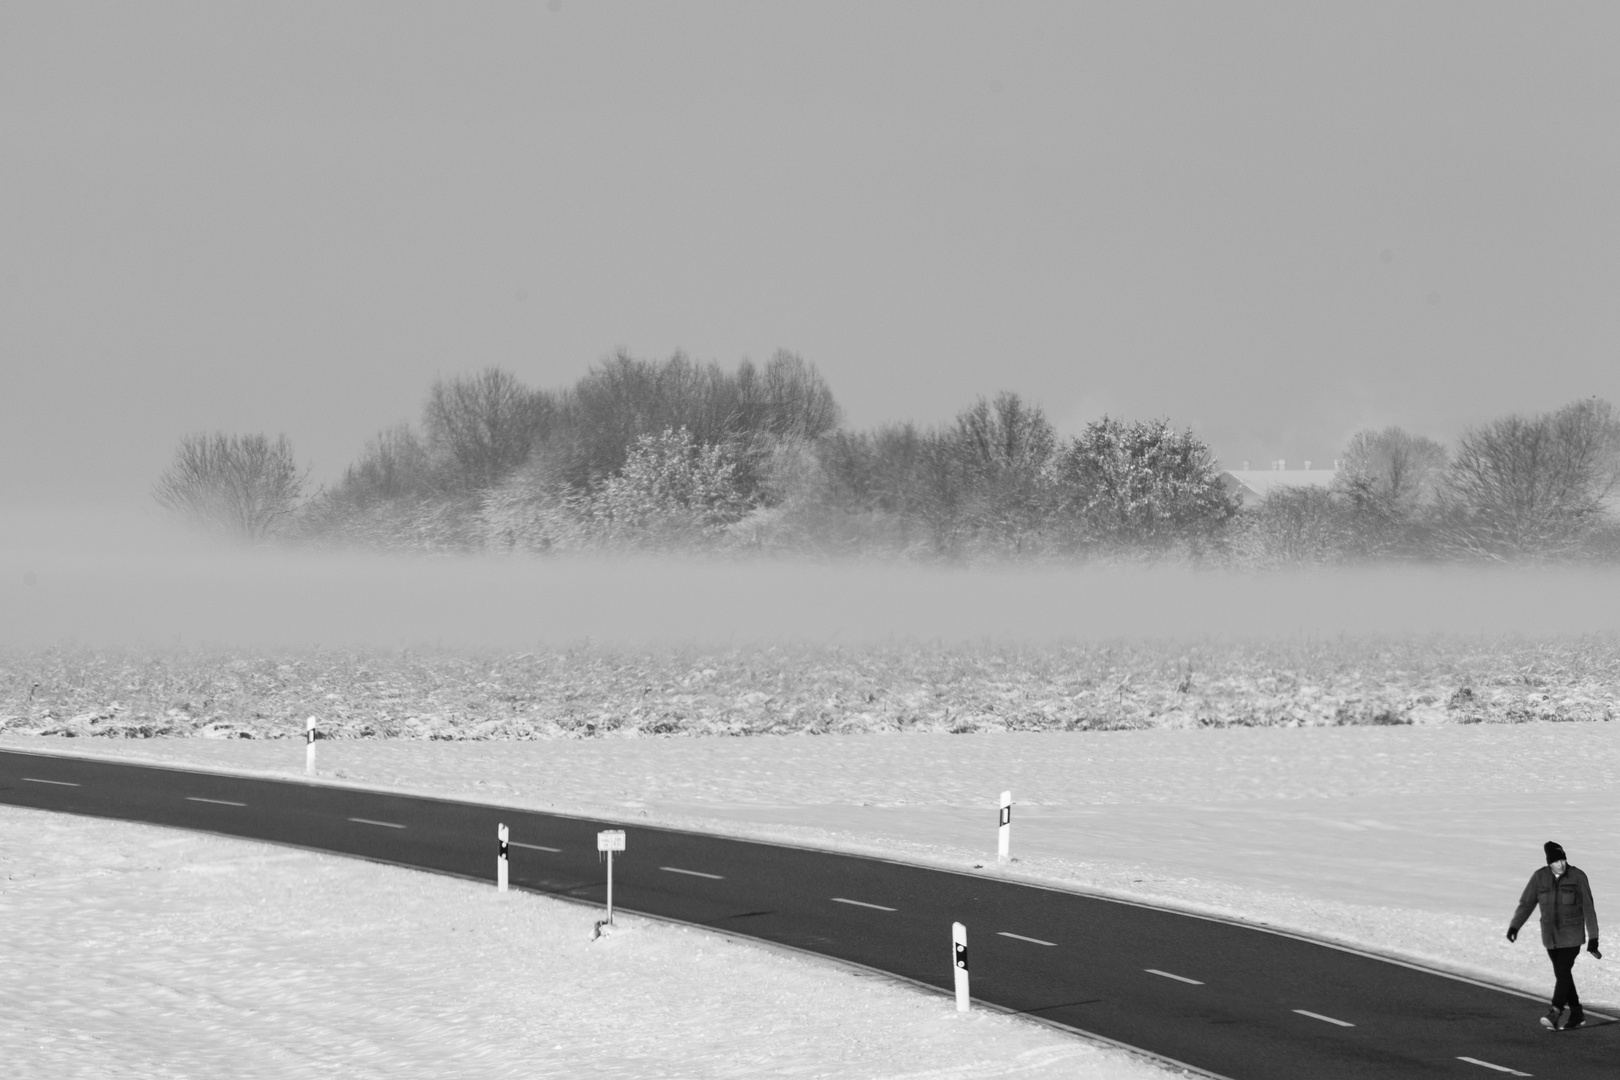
{"points": [[835, 899], [1168, 975], [862, 903], [1324, 1019], [1498, 1068]]}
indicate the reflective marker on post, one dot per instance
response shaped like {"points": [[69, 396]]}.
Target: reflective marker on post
{"points": [[309, 746], [500, 860], [1004, 834], [959, 959]]}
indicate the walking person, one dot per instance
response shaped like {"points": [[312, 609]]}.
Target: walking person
{"points": [[1568, 917]]}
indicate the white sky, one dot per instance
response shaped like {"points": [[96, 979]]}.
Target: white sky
{"points": [[1275, 223]]}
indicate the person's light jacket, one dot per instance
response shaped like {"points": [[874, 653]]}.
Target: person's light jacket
{"points": [[1568, 916]]}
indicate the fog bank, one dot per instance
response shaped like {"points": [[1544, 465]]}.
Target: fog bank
{"points": [[97, 582]]}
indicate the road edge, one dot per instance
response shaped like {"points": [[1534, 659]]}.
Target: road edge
{"points": [[1475, 977]]}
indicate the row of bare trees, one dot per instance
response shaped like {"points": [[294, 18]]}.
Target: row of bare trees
{"points": [[1541, 486], [675, 454], [494, 462], [658, 454], [999, 481]]}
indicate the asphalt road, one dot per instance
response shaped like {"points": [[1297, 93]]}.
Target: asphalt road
{"points": [[1227, 999]]}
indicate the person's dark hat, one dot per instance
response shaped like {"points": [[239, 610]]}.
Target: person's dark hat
{"points": [[1554, 852]]}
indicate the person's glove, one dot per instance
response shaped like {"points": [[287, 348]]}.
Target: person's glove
{"points": [[1591, 947], [1513, 933]]}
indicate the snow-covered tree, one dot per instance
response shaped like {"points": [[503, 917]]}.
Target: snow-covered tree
{"points": [[1140, 485], [671, 491], [1534, 485]]}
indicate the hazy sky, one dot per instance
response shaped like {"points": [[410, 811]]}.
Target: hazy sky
{"points": [[1274, 223]]}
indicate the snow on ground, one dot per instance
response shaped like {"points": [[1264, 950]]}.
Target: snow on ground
{"points": [[1406, 840], [592, 690], [134, 951]]}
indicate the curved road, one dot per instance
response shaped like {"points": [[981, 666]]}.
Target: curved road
{"points": [[1228, 1000]]}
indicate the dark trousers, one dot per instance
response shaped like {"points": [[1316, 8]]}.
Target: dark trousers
{"points": [[1563, 961]]}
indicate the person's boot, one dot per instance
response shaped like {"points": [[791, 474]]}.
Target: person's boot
{"points": [[1550, 1020]]}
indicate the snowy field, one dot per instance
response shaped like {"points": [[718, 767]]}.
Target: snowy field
{"points": [[1411, 841], [164, 954], [586, 690], [134, 951]]}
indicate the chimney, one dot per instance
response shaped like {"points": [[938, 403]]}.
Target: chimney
{"points": [[1282, 464], [1307, 464], [1245, 466]]}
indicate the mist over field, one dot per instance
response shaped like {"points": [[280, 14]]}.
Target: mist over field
{"points": [[140, 583]]}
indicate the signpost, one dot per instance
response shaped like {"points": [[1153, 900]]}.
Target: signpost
{"points": [[610, 840], [309, 746], [1004, 836], [502, 836], [959, 959]]}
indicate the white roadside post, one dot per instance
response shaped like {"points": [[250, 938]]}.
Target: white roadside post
{"points": [[610, 840], [959, 959], [309, 746], [1004, 834], [502, 835]]}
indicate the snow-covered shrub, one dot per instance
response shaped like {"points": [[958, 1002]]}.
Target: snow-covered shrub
{"points": [[671, 492], [535, 510], [1301, 526]]}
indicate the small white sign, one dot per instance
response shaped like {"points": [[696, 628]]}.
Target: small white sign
{"points": [[610, 840]]}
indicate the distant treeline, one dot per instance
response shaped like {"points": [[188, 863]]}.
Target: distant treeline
{"points": [[676, 455]]}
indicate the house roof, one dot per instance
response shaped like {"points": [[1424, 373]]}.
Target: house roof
{"points": [[1255, 484]]}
